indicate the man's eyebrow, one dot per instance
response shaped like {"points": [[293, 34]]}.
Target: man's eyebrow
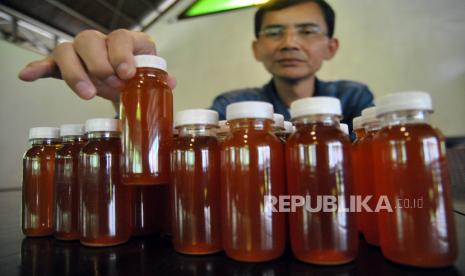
{"points": [[274, 26], [304, 24], [307, 24]]}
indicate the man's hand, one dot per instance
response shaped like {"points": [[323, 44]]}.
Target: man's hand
{"points": [[94, 63]]}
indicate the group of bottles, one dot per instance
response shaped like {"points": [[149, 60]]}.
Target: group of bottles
{"points": [[72, 187], [112, 182], [223, 175], [399, 155], [226, 179]]}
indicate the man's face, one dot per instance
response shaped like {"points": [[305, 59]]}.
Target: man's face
{"points": [[292, 44]]}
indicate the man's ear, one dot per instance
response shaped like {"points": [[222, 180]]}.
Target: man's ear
{"points": [[332, 47], [256, 52]]}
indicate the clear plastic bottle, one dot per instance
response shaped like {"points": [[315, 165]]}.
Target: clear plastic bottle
{"points": [[412, 171], [106, 204], [38, 181], [196, 183], [146, 111], [66, 182], [366, 175], [318, 155], [252, 169]]}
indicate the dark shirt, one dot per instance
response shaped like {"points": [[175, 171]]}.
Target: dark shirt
{"points": [[354, 97]]}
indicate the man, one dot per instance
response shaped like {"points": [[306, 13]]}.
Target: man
{"points": [[294, 37]]}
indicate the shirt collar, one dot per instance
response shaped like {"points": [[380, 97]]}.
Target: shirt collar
{"points": [[272, 96]]}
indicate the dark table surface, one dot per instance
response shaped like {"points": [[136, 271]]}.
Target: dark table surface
{"points": [[154, 255]]}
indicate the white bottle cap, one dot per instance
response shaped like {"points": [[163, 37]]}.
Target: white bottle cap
{"points": [[44, 133], [357, 122], [288, 127], [278, 120], [316, 105], [409, 100], [151, 61], [344, 128], [369, 115], [249, 109], [72, 130], [103, 124], [196, 117]]}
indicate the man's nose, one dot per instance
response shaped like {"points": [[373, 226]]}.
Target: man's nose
{"points": [[290, 40]]}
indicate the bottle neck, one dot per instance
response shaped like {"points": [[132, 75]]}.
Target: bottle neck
{"points": [[72, 139], [359, 133], [151, 72], [103, 135], [45, 141], [197, 130], [405, 117], [250, 123], [372, 126], [332, 120]]}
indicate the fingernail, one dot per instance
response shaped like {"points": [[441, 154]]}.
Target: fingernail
{"points": [[23, 73], [114, 82], [125, 71], [85, 89]]}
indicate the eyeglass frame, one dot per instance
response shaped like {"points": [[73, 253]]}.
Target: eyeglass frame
{"points": [[299, 28]]}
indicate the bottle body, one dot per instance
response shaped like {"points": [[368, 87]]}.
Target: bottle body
{"points": [[105, 202], [146, 111], [38, 187], [196, 191], [252, 169], [411, 167], [318, 155], [67, 189], [148, 211]]}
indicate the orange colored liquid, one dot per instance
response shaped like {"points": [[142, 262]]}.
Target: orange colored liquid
{"points": [[196, 195], [412, 165], [38, 189], [357, 160], [147, 115], [67, 190], [252, 167], [366, 179], [148, 212], [106, 203], [318, 155]]}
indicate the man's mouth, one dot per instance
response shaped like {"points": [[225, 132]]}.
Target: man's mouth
{"points": [[290, 61]]}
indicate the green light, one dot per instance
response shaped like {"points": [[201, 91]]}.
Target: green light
{"points": [[202, 7]]}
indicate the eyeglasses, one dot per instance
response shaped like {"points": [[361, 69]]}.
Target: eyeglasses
{"points": [[305, 32]]}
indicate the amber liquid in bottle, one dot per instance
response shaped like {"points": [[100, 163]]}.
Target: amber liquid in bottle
{"points": [[412, 172], [67, 188], [147, 115], [318, 155], [252, 167], [38, 187], [106, 203], [358, 171], [149, 210], [366, 179], [196, 192]]}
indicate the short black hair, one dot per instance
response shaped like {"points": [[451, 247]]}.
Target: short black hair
{"points": [[274, 5]]}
